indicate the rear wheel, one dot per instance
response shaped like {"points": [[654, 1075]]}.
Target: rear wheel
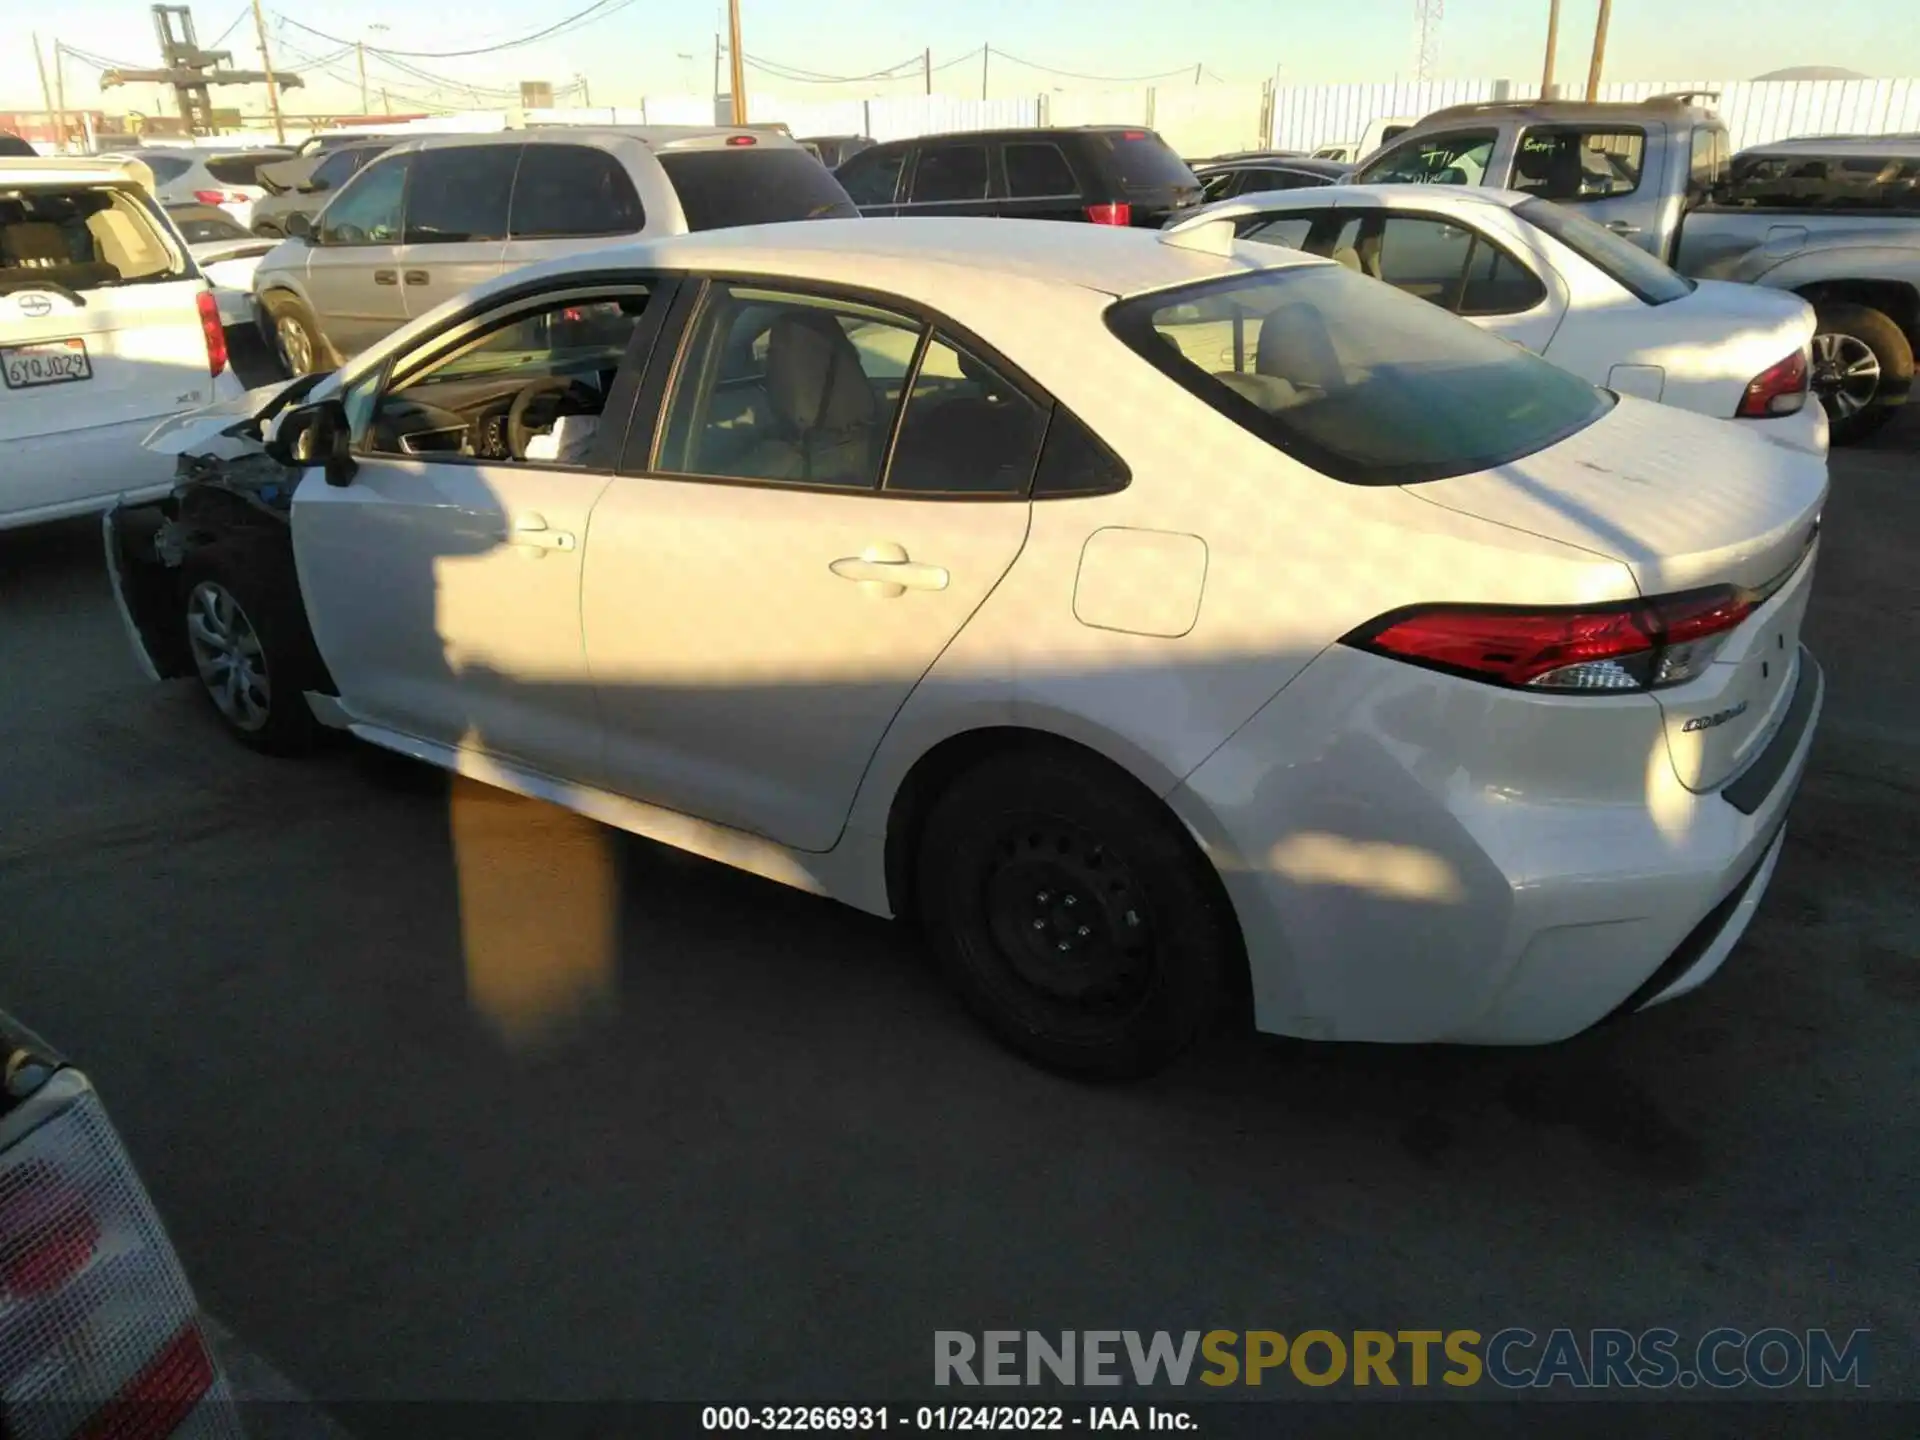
{"points": [[296, 335], [250, 651], [1073, 914], [1862, 369]]}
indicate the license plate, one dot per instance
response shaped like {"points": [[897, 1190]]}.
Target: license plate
{"points": [[54, 362]]}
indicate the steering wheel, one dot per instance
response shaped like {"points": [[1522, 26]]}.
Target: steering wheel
{"points": [[540, 404]]}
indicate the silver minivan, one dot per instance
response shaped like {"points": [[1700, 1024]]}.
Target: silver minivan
{"points": [[437, 215]]}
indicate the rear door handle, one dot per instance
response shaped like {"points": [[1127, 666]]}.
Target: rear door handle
{"points": [[530, 532], [416, 277], [1623, 227], [386, 277], [889, 571]]}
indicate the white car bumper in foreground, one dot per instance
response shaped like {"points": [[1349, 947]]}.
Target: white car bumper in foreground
{"points": [[1409, 861]]}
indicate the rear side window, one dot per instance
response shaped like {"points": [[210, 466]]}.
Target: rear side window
{"points": [[84, 238], [745, 185], [1038, 170], [460, 195], [1625, 263], [1141, 160], [165, 167], [1288, 230], [570, 190], [1355, 379], [1886, 184], [1707, 164], [1574, 163], [966, 430], [334, 171], [873, 176], [950, 172], [1460, 158]]}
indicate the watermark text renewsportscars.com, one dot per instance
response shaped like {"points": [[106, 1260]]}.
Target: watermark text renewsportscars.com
{"points": [[1513, 1358]]}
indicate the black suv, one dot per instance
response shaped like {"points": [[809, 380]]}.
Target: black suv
{"points": [[1106, 174]]}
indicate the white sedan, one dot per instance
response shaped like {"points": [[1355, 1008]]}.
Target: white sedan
{"points": [[1379, 672], [1546, 277]]}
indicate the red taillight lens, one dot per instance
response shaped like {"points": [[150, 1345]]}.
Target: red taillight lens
{"points": [[215, 332], [741, 140], [1636, 645], [47, 1232], [219, 197], [162, 1395], [1780, 389], [1121, 214]]}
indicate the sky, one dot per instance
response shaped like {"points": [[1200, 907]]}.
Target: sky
{"points": [[651, 47]]}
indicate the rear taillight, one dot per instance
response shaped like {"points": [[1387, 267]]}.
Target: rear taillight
{"points": [[220, 197], [1634, 645], [215, 332], [1120, 214], [1780, 389], [99, 1333]]}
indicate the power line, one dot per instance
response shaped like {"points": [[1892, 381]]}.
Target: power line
{"points": [[592, 14], [815, 77], [1078, 75], [245, 11]]}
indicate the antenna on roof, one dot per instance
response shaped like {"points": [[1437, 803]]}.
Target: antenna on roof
{"points": [[1208, 234]]}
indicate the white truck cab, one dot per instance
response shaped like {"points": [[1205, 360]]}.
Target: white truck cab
{"points": [[107, 327]]}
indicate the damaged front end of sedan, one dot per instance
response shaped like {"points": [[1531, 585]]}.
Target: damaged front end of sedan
{"points": [[232, 501]]}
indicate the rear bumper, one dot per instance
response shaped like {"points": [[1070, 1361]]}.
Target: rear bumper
{"points": [[1807, 430], [1404, 868]]}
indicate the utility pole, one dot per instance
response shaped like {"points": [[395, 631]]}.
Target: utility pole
{"points": [[40, 63], [361, 47], [986, 54], [1599, 50], [386, 101], [60, 93], [266, 64], [738, 63], [586, 95], [926, 67], [716, 70], [1196, 74], [1553, 42]]}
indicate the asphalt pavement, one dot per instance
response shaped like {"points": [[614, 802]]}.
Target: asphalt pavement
{"points": [[448, 1094]]}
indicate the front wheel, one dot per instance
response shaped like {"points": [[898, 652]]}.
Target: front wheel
{"points": [[1074, 916], [1862, 369], [247, 648]]}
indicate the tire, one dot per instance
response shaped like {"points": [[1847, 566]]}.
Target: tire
{"points": [[1848, 340], [1074, 915], [298, 341], [242, 621]]}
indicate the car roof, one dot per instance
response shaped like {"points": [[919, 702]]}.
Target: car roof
{"points": [[654, 137], [1305, 164], [1029, 132], [1111, 260], [1570, 112], [1438, 197], [63, 170], [1869, 146]]}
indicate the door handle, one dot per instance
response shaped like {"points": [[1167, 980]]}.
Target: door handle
{"points": [[416, 277], [888, 570], [386, 277], [530, 532], [1623, 227]]}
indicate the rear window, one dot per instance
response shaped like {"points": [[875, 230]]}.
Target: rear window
{"points": [[165, 167], [746, 185], [562, 191], [82, 238], [1361, 382], [1141, 160], [1869, 183], [199, 224], [1622, 261], [242, 169]]}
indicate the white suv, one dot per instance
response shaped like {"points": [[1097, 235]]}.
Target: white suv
{"points": [[106, 327]]}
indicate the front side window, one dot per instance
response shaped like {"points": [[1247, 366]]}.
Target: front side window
{"points": [[873, 176], [527, 388], [785, 387], [460, 194], [1459, 158], [967, 430], [367, 212], [1217, 184], [83, 237], [950, 172], [1356, 380], [1643, 275], [1038, 170], [1575, 163], [565, 191]]}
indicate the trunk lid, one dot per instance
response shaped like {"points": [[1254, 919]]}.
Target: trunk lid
{"points": [[1716, 340], [1684, 502]]}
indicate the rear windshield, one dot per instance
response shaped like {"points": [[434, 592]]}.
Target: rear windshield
{"points": [[199, 224], [82, 238], [745, 185], [1354, 378], [165, 167], [1622, 261], [242, 169], [1141, 160]]}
